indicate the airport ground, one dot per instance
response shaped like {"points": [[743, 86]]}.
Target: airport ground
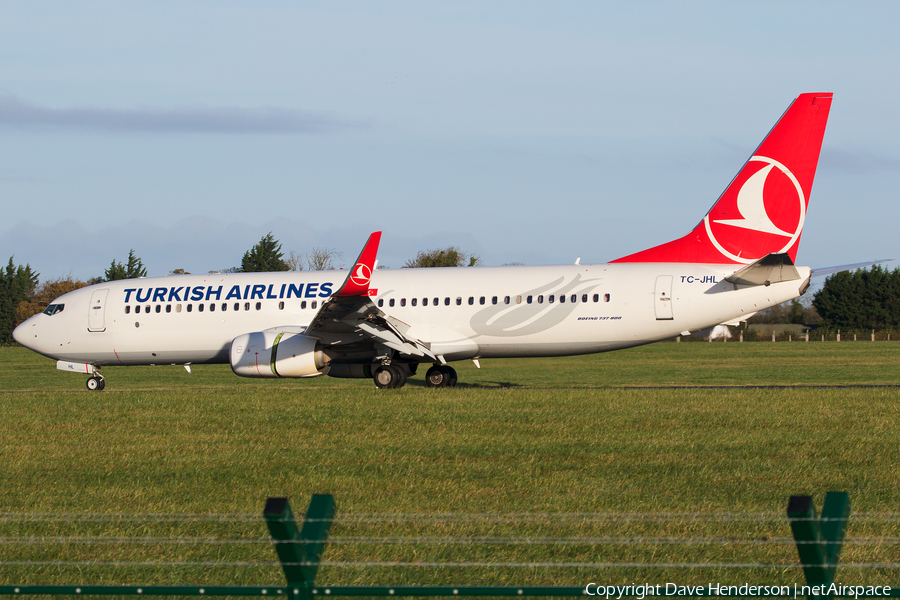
{"points": [[690, 437]]}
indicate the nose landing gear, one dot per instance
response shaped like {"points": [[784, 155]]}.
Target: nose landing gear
{"points": [[96, 383]]}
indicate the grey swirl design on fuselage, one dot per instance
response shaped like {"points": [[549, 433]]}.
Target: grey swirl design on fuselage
{"points": [[513, 320]]}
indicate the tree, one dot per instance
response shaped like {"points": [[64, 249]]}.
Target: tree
{"points": [[133, 269], [451, 256], [295, 261], [264, 257], [16, 284], [322, 259], [862, 299]]}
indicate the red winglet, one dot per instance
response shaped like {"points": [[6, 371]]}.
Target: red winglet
{"points": [[357, 282]]}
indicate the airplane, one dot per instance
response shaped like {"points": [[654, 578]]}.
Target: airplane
{"points": [[382, 324]]}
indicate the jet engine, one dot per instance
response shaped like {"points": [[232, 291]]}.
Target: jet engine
{"points": [[277, 354]]}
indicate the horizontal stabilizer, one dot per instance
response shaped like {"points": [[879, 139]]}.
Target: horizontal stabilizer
{"points": [[772, 268], [832, 270]]}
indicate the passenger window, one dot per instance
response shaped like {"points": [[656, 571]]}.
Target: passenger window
{"points": [[281, 305], [168, 308], [424, 301], [303, 304], [212, 307], [471, 300], [506, 300], [519, 299], [435, 303], [551, 298], [596, 297], [459, 300], [574, 298], [481, 300], [584, 297], [494, 300], [178, 308], [606, 297], [237, 306], [528, 299], [47, 312], [541, 299], [246, 306], [402, 301], [147, 309], [259, 305], [224, 306], [190, 307], [391, 302], [380, 302], [562, 298], [200, 307], [158, 308], [414, 301], [447, 301]]}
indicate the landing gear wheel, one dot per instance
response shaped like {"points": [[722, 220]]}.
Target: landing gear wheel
{"points": [[451, 372], [441, 376], [95, 384], [436, 377], [389, 377]]}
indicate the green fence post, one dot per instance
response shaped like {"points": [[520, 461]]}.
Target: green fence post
{"points": [[300, 550], [835, 513], [819, 541]]}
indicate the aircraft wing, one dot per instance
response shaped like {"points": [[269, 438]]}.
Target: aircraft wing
{"points": [[351, 322]]}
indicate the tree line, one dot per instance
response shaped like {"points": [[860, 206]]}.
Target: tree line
{"points": [[22, 295]]}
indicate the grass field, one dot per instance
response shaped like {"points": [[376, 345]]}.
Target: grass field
{"points": [[613, 433]]}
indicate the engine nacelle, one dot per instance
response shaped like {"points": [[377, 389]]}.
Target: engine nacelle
{"points": [[274, 354]]}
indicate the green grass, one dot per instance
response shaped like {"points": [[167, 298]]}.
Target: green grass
{"points": [[585, 434]]}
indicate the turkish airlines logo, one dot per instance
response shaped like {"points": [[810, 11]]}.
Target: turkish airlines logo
{"points": [[765, 215], [361, 275]]}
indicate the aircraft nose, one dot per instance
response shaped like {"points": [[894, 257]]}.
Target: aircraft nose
{"points": [[19, 334], [25, 335]]}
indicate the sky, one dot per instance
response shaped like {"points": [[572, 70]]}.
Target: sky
{"points": [[523, 132]]}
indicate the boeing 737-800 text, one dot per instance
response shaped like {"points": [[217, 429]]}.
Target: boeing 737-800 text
{"points": [[383, 324]]}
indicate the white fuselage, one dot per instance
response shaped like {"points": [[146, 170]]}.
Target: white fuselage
{"points": [[458, 313]]}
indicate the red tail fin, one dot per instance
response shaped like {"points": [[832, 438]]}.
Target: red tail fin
{"points": [[763, 209]]}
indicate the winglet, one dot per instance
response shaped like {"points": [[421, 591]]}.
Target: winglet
{"points": [[357, 282]]}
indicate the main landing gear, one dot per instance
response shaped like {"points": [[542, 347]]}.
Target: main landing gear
{"points": [[441, 376], [393, 376], [389, 377]]}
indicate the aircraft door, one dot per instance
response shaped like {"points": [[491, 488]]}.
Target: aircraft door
{"points": [[663, 299], [97, 311]]}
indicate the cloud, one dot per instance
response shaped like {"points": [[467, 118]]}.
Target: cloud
{"points": [[19, 113]]}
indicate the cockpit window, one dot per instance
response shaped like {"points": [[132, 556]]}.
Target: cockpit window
{"points": [[53, 309]]}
